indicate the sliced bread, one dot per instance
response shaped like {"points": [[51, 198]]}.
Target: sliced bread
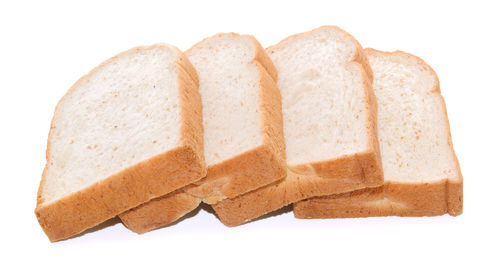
{"points": [[244, 144], [422, 175], [129, 131], [329, 118]]}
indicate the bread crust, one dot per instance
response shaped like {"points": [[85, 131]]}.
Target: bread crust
{"points": [[146, 217], [347, 173], [394, 199], [391, 199], [242, 173], [137, 184]]}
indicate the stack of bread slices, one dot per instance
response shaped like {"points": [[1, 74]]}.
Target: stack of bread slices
{"points": [[315, 120]]}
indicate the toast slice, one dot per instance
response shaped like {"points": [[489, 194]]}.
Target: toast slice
{"points": [[244, 144], [129, 131], [329, 118], [422, 175]]}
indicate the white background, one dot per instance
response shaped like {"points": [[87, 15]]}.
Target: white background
{"points": [[46, 46]]}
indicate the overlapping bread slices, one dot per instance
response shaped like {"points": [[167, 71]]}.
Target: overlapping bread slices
{"points": [[422, 175], [129, 131], [329, 118], [244, 145]]}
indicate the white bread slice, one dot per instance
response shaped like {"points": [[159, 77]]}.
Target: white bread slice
{"points": [[422, 175], [129, 131], [329, 117], [244, 144]]}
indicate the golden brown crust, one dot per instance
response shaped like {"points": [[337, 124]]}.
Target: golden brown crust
{"points": [[393, 199], [190, 104], [156, 212], [272, 118], [240, 174], [86, 208], [296, 187], [132, 186], [262, 58], [191, 108], [429, 199], [347, 173]]}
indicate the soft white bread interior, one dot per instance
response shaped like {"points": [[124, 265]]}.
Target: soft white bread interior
{"points": [[230, 96], [125, 133], [422, 175], [244, 144], [329, 122], [324, 102]]}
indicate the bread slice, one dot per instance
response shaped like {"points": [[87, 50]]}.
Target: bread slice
{"points": [[129, 131], [244, 144], [329, 117], [422, 175]]}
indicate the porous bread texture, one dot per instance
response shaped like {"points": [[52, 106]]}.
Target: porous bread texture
{"points": [[125, 133], [323, 97], [230, 96], [244, 144], [329, 121], [422, 175]]}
